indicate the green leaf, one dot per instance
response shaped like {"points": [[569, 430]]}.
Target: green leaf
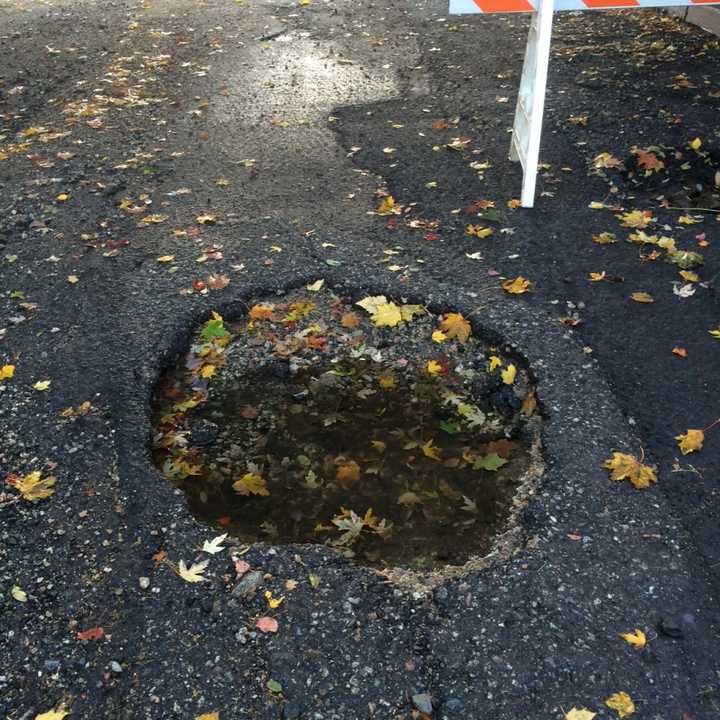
{"points": [[449, 428], [214, 329], [274, 686], [489, 462], [314, 580]]}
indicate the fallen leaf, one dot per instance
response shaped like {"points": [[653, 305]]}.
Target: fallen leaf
{"points": [[251, 484], [622, 703], [194, 573], [691, 441], [72, 279], [387, 206], [349, 320], [267, 624], [42, 385], [637, 639], [409, 498], [6, 372], [317, 285], [261, 312], [508, 374], [439, 336], [209, 716], [19, 594], [479, 231], [517, 286], [206, 219], [579, 714], [387, 315], [680, 352], [434, 367], [642, 297], [215, 545], [689, 276], [314, 580], [155, 219], [166, 258], [32, 487], [597, 276], [94, 633], [636, 218], [605, 238], [274, 685], [218, 282], [273, 602], [715, 333], [346, 470], [627, 467], [696, 144], [454, 325], [241, 566], [52, 715], [491, 462], [430, 450]]}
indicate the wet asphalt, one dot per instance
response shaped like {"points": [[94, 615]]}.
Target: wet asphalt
{"points": [[283, 121]]}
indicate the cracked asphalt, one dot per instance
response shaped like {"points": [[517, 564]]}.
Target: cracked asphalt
{"points": [[121, 123]]}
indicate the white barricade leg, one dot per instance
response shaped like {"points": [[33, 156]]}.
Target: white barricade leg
{"points": [[527, 128]]}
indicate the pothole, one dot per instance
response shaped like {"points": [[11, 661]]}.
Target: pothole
{"points": [[391, 434]]}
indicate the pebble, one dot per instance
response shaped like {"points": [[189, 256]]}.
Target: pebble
{"points": [[423, 702], [248, 583]]}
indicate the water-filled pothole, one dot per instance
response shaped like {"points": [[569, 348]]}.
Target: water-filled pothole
{"points": [[388, 433]]}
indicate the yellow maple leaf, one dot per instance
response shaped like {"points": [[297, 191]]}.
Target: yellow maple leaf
{"points": [[605, 238], [689, 275], [52, 715], [627, 467], [155, 219], [42, 385], [637, 639], [622, 703], [696, 144], [454, 325], [387, 315], [636, 218], [273, 602], [691, 441], [479, 231], [508, 374], [438, 336], [579, 714], [207, 371], [434, 367], [250, 484], [642, 297], [211, 715], [688, 220], [386, 206], [495, 362], [430, 450], [6, 372], [517, 286], [33, 487], [408, 312]]}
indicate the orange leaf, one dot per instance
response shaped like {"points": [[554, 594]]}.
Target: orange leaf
{"points": [[261, 312]]}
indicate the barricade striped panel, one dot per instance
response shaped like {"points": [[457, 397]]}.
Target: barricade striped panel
{"points": [[462, 7]]}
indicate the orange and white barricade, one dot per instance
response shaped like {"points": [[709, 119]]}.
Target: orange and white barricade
{"points": [[527, 128]]}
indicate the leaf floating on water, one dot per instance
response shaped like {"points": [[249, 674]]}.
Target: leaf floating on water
{"points": [[250, 484]]}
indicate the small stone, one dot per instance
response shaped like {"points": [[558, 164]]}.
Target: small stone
{"points": [[423, 702], [248, 583], [670, 628], [115, 666], [144, 582], [204, 433]]}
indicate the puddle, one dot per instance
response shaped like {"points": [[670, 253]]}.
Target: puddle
{"points": [[306, 423]]}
